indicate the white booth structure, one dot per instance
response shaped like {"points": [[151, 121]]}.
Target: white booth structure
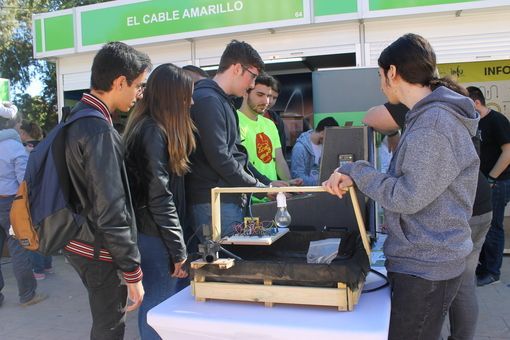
{"points": [[292, 36]]}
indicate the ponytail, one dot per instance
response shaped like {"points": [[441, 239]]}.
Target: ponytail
{"points": [[448, 82]]}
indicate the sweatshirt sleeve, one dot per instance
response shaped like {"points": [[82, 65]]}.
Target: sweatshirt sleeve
{"points": [[428, 167], [20, 162]]}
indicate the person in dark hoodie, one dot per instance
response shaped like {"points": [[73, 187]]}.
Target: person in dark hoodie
{"points": [[219, 159], [428, 192]]}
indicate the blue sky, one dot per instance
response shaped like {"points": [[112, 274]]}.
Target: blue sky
{"points": [[35, 87]]}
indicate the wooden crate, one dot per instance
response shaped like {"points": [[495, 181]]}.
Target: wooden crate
{"points": [[303, 284]]}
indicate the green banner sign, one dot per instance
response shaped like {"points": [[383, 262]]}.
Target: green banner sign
{"points": [[4, 90], [151, 19], [376, 5], [342, 118], [54, 33], [328, 7]]}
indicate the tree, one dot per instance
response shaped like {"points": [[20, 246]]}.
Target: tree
{"points": [[16, 56]]}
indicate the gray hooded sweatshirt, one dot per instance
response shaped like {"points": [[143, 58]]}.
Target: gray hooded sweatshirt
{"points": [[429, 190]]}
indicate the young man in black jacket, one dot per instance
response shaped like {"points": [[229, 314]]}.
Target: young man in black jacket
{"points": [[220, 160], [106, 246]]}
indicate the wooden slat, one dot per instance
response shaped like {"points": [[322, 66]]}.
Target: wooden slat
{"points": [[216, 214], [334, 297], [221, 263], [359, 220]]}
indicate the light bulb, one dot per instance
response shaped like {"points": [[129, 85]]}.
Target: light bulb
{"points": [[282, 217]]}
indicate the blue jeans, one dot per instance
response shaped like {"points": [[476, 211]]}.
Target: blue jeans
{"points": [[231, 213], [419, 306], [40, 262], [491, 256], [157, 282], [20, 257]]}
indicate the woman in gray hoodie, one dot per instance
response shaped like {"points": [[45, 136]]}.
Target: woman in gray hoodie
{"points": [[428, 192]]}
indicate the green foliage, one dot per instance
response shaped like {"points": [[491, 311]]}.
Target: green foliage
{"points": [[37, 110], [16, 56]]}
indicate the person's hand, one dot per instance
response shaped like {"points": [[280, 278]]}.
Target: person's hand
{"points": [[337, 184], [179, 271], [135, 295], [277, 184], [296, 182]]}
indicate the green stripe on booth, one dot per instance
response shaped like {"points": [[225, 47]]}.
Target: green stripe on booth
{"points": [[342, 118], [4, 90], [59, 32]]}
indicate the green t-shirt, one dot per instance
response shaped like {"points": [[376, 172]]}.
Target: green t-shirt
{"points": [[261, 139]]}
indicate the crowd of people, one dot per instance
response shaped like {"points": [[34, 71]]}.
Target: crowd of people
{"points": [[145, 193]]}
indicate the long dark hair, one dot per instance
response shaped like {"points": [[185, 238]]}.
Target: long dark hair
{"points": [[167, 99], [415, 62]]}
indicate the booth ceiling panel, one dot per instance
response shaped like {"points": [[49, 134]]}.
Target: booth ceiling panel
{"points": [[285, 43], [460, 48]]}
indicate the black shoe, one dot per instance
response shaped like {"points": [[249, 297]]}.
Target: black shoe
{"points": [[486, 280]]}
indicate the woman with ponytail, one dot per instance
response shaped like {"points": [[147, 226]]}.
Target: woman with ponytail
{"points": [[428, 191], [158, 140]]}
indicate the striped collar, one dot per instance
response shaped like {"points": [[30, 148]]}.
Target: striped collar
{"points": [[97, 104]]}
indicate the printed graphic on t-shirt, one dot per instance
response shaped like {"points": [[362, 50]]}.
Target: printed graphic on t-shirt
{"points": [[264, 147]]}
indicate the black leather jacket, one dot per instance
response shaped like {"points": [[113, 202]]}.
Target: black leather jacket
{"points": [[155, 190], [94, 156]]}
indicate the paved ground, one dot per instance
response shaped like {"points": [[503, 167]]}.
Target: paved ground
{"points": [[65, 315]]}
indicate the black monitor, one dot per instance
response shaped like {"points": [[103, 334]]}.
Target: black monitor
{"points": [[345, 144]]}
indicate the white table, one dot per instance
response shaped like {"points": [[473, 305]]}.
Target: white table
{"points": [[181, 317]]}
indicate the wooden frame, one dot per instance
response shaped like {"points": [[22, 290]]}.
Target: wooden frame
{"points": [[216, 211], [342, 296]]}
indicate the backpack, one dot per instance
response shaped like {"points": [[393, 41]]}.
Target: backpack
{"points": [[42, 216]]}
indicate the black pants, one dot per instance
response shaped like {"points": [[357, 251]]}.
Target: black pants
{"points": [[107, 296], [419, 306]]}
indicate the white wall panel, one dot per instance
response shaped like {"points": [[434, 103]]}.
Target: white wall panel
{"points": [[75, 69], [472, 36], [285, 43]]}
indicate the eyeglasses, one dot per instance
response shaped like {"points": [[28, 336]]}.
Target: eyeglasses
{"points": [[253, 75], [140, 88]]}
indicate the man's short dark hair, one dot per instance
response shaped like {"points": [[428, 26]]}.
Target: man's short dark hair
{"points": [[196, 69], [117, 59], [476, 94], [326, 122], [264, 79], [267, 80], [240, 52], [276, 86]]}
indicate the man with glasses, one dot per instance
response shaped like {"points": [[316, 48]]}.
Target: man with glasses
{"points": [[104, 251], [219, 159]]}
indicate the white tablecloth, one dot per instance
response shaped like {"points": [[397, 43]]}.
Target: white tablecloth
{"points": [[181, 317]]}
